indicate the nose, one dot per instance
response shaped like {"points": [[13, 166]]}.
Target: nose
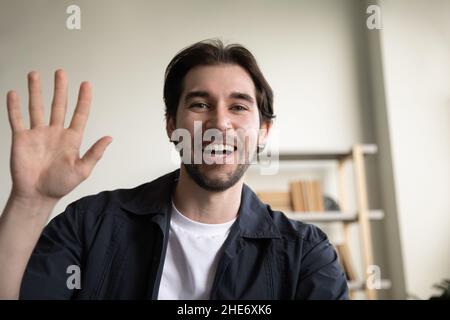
{"points": [[219, 119]]}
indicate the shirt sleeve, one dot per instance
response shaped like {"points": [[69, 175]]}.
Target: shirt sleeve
{"points": [[321, 276], [52, 269]]}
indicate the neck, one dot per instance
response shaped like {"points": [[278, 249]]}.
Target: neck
{"points": [[206, 206]]}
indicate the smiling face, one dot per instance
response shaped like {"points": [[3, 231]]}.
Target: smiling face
{"points": [[222, 99]]}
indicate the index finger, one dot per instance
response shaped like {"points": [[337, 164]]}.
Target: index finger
{"points": [[81, 112]]}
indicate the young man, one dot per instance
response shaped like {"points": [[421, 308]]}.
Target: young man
{"points": [[196, 233]]}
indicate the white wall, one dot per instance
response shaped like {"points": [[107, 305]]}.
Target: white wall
{"points": [[306, 50], [415, 42]]}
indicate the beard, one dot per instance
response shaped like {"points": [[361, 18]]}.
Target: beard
{"points": [[214, 177], [215, 184]]}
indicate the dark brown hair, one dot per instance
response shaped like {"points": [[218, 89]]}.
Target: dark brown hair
{"points": [[213, 52]]}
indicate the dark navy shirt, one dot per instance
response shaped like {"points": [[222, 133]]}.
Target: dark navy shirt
{"points": [[118, 241]]}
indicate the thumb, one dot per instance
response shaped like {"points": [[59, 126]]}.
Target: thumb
{"points": [[93, 155]]}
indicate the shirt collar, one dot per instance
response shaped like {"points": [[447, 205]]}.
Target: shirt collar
{"points": [[254, 219], [153, 197]]}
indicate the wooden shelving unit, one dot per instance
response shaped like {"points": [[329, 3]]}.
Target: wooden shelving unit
{"points": [[362, 217]]}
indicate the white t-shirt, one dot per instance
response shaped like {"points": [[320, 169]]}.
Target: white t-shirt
{"points": [[193, 252]]}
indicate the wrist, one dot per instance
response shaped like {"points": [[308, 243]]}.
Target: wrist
{"points": [[32, 201], [31, 207]]}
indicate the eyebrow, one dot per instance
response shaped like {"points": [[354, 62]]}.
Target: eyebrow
{"points": [[242, 96], [205, 94]]}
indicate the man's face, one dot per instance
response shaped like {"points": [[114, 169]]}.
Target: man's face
{"points": [[221, 100]]}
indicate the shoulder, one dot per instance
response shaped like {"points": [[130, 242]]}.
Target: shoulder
{"points": [[150, 196], [102, 202], [297, 231], [290, 228], [287, 229], [103, 209]]}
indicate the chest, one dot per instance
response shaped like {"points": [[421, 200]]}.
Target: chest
{"points": [[127, 263]]}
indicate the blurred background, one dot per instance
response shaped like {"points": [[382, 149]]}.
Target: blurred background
{"points": [[336, 82]]}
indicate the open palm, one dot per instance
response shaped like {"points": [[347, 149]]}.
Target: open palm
{"points": [[45, 159]]}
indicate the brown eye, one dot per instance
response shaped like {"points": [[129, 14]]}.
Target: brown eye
{"points": [[239, 108], [199, 105]]}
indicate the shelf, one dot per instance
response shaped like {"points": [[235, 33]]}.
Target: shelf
{"points": [[360, 285], [331, 216], [322, 155]]}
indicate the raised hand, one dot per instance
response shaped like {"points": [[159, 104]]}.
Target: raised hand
{"points": [[45, 159]]}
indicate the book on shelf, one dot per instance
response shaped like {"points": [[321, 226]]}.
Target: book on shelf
{"points": [[303, 196], [297, 197], [306, 195]]}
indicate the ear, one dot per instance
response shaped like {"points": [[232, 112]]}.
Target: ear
{"points": [[170, 126], [263, 136]]}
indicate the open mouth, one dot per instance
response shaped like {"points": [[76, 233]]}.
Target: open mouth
{"points": [[219, 149]]}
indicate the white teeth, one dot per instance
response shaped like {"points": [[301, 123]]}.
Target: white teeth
{"points": [[219, 148]]}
